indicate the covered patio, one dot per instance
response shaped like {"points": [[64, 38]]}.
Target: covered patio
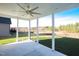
{"points": [[29, 47]]}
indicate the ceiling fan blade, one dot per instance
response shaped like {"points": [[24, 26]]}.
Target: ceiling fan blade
{"points": [[35, 13], [28, 6], [21, 7], [34, 8], [17, 11]]}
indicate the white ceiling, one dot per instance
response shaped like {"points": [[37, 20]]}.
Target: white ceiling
{"points": [[7, 9]]}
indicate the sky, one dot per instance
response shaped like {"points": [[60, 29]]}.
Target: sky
{"points": [[67, 17], [62, 18]]}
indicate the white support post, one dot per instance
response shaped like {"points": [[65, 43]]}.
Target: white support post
{"points": [[37, 31], [29, 31], [53, 33], [17, 30]]}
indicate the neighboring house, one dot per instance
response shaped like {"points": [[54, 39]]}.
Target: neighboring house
{"points": [[5, 26]]}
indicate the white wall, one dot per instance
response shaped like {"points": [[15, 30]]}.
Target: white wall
{"points": [[4, 29]]}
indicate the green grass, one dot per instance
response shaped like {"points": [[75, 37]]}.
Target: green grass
{"points": [[68, 46], [7, 40]]}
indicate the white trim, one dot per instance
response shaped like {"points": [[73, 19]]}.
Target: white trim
{"points": [[53, 33], [17, 30], [29, 30], [37, 33]]}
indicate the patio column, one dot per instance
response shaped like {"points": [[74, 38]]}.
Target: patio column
{"points": [[17, 30], [29, 31], [53, 33], [37, 30]]}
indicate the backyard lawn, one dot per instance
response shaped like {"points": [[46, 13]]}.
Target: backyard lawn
{"points": [[68, 46], [7, 40]]}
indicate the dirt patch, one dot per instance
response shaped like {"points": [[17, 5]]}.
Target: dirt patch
{"points": [[66, 34]]}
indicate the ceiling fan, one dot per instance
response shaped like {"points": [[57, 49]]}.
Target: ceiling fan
{"points": [[29, 10]]}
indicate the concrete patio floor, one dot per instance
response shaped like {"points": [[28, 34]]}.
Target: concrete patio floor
{"points": [[27, 48]]}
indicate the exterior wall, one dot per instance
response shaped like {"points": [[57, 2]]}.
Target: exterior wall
{"points": [[4, 29]]}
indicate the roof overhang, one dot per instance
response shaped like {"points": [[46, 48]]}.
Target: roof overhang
{"points": [[6, 9]]}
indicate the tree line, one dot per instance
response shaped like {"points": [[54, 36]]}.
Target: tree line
{"points": [[72, 28]]}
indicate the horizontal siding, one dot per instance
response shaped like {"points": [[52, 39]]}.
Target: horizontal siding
{"points": [[4, 29]]}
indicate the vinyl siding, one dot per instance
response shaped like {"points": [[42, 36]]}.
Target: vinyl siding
{"points": [[4, 29]]}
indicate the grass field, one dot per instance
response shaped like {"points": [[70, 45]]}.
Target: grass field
{"points": [[7, 40], [68, 46]]}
